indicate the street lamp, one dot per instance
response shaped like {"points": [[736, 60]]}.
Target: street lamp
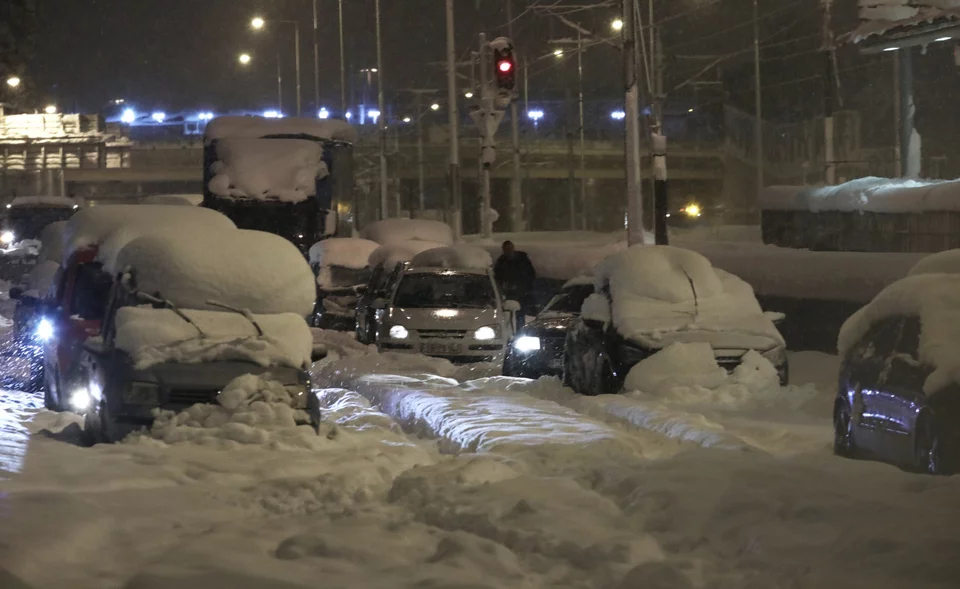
{"points": [[13, 81], [244, 59], [558, 53], [434, 106], [258, 24], [50, 109], [468, 95], [616, 25]]}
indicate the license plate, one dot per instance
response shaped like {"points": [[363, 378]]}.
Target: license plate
{"points": [[440, 348]]}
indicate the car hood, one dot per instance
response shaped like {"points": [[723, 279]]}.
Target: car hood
{"points": [[549, 325], [445, 318], [212, 375]]}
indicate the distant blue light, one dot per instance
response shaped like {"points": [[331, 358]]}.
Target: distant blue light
{"points": [[348, 115], [535, 115], [618, 115], [159, 116], [129, 115], [373, 115], [205, 116], [272, 114], [324, 113]]}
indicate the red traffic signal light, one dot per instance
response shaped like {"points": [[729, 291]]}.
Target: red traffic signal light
{"points": [[505, 68]]}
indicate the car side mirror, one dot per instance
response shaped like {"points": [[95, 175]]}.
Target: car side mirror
{"points": [[511, 306], [380, 303], [774, 317], [16, 293]]}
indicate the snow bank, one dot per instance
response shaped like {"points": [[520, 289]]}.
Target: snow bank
{"points": [[947, 262], [347, 252], [173, 199], [51, 242], [252, 270], [92, 225], [870, 194], [285, 170], [391, 231], [401, 251], [663, 294], [153, 336], [458, 256], [935, 299], [46, 201], [257, 127]]}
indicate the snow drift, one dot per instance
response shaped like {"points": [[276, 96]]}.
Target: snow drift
{"points": [[252, 270], [285, 170], [947, 262], [401, 230]]}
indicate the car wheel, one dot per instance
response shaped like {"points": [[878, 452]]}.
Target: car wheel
{"points": [[928, 446], [843, 440]]}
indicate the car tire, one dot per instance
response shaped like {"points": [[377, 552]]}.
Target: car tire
{"points": [[928, 446], [844, 442]]}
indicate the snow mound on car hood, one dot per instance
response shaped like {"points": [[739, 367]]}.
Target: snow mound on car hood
{"points": [[401, 251], [284, 170], [347, 252], [947, 262], [394, 230], [455, 256], [935, 299], [154, 336], [252, 270]]}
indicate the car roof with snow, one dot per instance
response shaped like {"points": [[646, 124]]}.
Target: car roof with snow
{"points": [[398, 252], [455, 257], [346, 252], [390, 231], [64, 202], [260, 127]]}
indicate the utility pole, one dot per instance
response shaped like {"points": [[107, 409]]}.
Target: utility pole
{"points": [[758, 131], [658, 145], [343, 69], [632, 124], [583, 145], [421, 174], [381, 123], [485, 99], [454, 123], [516, 185], [279, 85], [316, 61], [830, 172], [296, 41], [582, 137]]}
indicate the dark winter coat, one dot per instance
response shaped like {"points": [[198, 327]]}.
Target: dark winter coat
{"points": [[515, 275]]}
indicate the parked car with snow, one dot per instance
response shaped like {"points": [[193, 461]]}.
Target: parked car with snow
{"points": [[26, 216], [284, 176], [188, 315], [443, 303], [91, 239], [649, 297], [537, 348], [898, 397], [342, 268]]}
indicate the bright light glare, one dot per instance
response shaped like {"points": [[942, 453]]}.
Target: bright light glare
{"points": [[399, 332], [348, 115], [271, 114], [536, 115], [505, 67], [50, 109], [205, 116], [942, 39], [373, 115], [159, 116], [618, 115], [80, 400], [13, 81], [485, 333], [527, 344], [406, 119], [558, 52], [891, 48], [690, 110], [95, 391], [244, 58], [446, 313], [257, 23], [7, 237], [468, 95], [692, 210], [617, 24], [323, 114], [44, 330], [129, 115], [434, 106]]}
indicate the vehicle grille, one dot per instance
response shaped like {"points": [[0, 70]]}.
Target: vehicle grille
{"points": [[442, 333], [730, 363], [191, 396], [553, 346]]}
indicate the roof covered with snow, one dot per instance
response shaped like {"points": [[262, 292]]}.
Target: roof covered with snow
{"points": [[46, 201], [91, 226], [173, 199], [882, 17], [664, 294], [395, 230], [401, 251], [347, 252], [456, 257], [935, 299], [256, 127], [252, 270], [871, 194], [285, 170]]}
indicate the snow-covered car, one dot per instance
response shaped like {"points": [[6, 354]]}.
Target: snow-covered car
{"points": [[444, 303], [649, 297], [26, 216], [898, 397], [188, 315], [342, 268], [537, 348]]}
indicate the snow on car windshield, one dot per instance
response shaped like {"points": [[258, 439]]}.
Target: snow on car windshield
{"points": [[446, 290]]}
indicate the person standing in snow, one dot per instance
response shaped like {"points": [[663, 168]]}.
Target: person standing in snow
{"points": [[515, 274]]}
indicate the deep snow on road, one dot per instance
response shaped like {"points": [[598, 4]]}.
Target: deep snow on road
{"points": [[430, 475]]}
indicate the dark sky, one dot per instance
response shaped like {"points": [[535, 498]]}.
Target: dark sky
{"points": [[174, 54]]}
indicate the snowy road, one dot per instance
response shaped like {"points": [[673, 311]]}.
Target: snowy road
{"points": [[427, 475]]}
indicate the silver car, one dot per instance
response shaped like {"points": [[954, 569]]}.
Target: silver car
{"points": [[448, 313]]}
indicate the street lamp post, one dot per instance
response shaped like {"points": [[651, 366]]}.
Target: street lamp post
{"points": [[381, 122], [258, 23]]}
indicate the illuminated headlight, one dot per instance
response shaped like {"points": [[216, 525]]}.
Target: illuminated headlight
{"points": [[399, 332], [527, 343], [44, 329], [7, 237], [485, 333], [80, 400], [142, 393], [298, 395]]}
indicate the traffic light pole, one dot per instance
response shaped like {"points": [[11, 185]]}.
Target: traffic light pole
{"points": [[516, 183], [487, 106], [454, 124]]}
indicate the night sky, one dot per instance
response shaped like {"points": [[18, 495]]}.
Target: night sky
{"points": [[174, 54]]}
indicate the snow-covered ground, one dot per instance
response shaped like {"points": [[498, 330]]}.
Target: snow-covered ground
{"points": [[425, 474]]}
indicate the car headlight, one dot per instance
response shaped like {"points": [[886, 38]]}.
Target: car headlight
{"points": [[485, 333], [399, 332], [7, 237], [44, 329], [80, 400], [527, 343], [142, 393], [298, 395]]}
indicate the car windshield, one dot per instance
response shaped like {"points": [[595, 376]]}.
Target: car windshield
{"points": [[28, 222], [570, 300], [343, 277], [447, 290]]}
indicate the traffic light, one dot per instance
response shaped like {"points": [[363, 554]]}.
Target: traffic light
{"points": [[505, 67]]}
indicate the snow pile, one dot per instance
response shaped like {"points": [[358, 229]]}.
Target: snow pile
{"points": [[63, 202], [51, 242], [664, 294], [870, 194], [347, 252], [252, 270], [153, 336], [401, 251], [391, 231], [285, 170], [173, 199], [92, 225], [258, 127], [460, 256], [250, 410], [935, 299], [947, 262]]}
